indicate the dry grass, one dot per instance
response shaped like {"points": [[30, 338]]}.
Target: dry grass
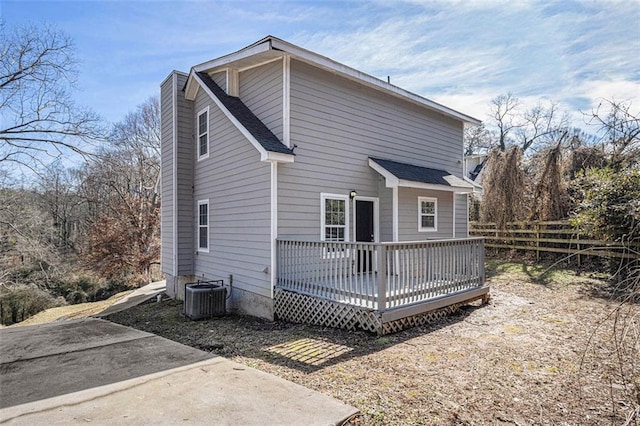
{"points": [[535, 355], [81, 310]]}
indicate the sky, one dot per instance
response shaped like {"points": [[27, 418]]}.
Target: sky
{"points": [[461, 53]]}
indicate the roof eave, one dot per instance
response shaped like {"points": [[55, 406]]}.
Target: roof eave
{"points": [[260, 46], [422, 185], [392, 181], [274, 43], [265, 155], [366, 79]]}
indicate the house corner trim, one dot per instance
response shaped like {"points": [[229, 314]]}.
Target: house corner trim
{"points": [[286, 100], [274, 226]]}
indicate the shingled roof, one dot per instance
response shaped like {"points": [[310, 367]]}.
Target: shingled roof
{"points": [[248, 119], [419, 174]]}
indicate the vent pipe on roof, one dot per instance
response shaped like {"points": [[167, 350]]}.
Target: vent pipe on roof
{"points": [[389, 79]]}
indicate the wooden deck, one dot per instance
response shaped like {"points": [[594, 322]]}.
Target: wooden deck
{"points": [[381, 287]]}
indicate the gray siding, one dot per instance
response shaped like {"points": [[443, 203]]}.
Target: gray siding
{"points": [[408, 215], [462, 211], [166, 167], [237, 186], [337, 124], [221, 79], [386, 210], [183, 165], [261, 91]]}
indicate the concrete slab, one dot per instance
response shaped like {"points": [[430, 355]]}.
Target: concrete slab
{"points": [[121, 375]]}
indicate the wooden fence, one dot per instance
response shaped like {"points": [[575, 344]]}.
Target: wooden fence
{"points": [[552, 237]]}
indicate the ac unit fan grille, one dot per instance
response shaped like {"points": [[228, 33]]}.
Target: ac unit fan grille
{"points": [[204, 301]]}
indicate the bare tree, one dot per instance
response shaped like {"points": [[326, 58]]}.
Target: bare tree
{"points": [[526, 128], [121, 190], [138, 135], [503, 114], [541, 125], [58, 196], [38, 118], [477, 140], [620, 126]]}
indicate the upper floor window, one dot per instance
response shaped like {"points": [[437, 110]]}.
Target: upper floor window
{"points": [[427, 214], [334, 217], [203, 134], [203, 225]]}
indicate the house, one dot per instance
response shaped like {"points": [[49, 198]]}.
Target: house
{"points": [[474, 170], [322, 194]]}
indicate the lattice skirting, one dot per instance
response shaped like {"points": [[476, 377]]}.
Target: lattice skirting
{"points": [[418, 320], [301, 308]]}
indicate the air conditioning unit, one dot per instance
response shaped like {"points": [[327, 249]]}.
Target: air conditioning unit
{"points": [[205, 300]]}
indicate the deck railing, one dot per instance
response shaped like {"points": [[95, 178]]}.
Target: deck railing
{"points": [[381, 276]]}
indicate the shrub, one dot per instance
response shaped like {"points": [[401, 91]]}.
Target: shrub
{"points": [[19, 302]]}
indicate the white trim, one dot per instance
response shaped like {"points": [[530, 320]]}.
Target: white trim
{"points": [[259, 64], [286, 100], [435, 214], [233, 82], [276, 156], [376, 216], [274, 225], [254, 49], [394, 214], [454, 214], [391, 181], [170, 76], [198, 248], [274, 44], [174, 136], [191, 88], [366, 79], [264, 154], [435, 187], [198, 134], [326, 196]]}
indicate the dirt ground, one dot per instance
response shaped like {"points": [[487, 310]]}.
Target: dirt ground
{"points": [[542, 352]]}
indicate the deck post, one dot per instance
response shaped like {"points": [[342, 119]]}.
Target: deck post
{"points": [[481, 261], [382, 277]]}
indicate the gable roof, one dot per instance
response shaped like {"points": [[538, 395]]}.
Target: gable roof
{"points": [[412, 176], [272, 47], [248, 119]]}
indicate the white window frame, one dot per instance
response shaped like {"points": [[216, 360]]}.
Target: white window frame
{"points": [[323, 198], [201, 227], [326, 253], [206, 133], [435, 214]]}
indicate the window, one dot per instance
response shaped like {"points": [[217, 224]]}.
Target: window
{"points": [[203, 134], [334, 217], [427, 214], [203, 226]]}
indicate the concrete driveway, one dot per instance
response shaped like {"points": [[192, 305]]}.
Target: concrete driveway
{"points": [[91, 370]]}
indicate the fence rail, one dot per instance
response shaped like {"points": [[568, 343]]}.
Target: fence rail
{"points": [[550, 236], [380, 276]]}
